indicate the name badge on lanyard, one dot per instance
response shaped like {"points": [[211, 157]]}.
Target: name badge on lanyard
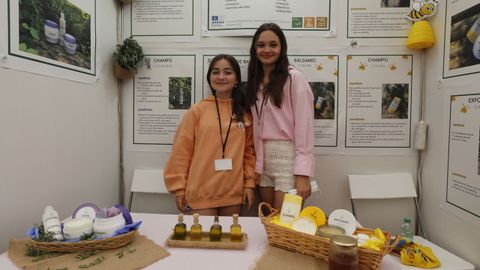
{"points": [[223, 164]]}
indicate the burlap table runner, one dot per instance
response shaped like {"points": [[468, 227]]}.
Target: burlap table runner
{"points": [[145, 253], [276, 258]]}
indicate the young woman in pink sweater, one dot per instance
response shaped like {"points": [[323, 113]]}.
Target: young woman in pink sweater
{"points": [[211, 166], [281, 102]]}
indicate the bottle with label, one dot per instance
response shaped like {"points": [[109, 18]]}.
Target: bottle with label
{"points": [[180, 230], [474, 31], [196, 229], [236, 234], [62, 27], [215, 231], [51, 222], [407, 231], [394, 105]]}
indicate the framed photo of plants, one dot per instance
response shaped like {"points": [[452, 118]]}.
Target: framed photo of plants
{"points": [[58, 34]]}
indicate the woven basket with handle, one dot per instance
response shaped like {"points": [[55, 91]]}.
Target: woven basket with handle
{"points": [[101, 244], [317, 246]]}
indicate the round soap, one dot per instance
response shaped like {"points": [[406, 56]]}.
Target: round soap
{"points": [[86, 210], [314, 213], [344, 219], [305, 225]]}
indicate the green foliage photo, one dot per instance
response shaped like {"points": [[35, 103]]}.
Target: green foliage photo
{"points": [[32, 17]]}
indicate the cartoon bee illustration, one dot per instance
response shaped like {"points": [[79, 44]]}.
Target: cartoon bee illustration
{"points": [[422, 9]]}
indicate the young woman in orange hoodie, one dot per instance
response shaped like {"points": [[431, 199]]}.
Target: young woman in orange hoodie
{"points": [[211, 168]]}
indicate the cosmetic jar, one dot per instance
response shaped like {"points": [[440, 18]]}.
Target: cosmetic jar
{"points": [[52, 33], [73, 229], [106, 227], [70, 44]]}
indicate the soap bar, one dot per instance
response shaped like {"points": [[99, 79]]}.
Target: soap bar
{"points": [[305, 225]]}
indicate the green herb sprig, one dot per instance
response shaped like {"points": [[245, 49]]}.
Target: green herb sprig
{"points": [[98, 260]]}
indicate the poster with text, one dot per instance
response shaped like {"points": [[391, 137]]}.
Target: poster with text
{"points": [[242, 17], [463, 176], [378, 18], [164, 90], [52, 37], [162, 18], [322, 74], [462, 42], [379, 101]]}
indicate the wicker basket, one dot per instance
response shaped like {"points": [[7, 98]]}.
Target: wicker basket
{"points": [[106, 243], [317, 246]]}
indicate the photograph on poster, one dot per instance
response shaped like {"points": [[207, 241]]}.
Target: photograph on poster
{"points": [[462, 45], [464, 41], [324, 99], [53, 31], [395, 101], [179, 93], [395, 3]]}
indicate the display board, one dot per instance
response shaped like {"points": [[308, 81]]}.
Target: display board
{"points": [[463, 175]]}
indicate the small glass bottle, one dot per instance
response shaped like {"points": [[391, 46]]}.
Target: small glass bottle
{"points": [[196, 229], [180, 230], [343, 253], [216, 231], [407, 231], [236, 234]]}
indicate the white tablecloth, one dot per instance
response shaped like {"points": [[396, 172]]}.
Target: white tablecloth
{"points": [[159, 226]]}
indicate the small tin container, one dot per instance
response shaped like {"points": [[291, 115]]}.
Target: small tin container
{"points": [[328, 231]]}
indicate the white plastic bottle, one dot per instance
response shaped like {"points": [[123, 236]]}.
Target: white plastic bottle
{"points": [[51, 222], [62, 27]]}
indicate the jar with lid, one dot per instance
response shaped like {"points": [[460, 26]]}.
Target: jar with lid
{"points": [[343, 253]]}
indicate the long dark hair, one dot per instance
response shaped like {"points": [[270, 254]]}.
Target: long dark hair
{"points": [[238, 98], [278, 76]]}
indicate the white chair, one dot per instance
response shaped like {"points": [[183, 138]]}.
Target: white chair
{"points": [[384, 186], [147, 181]]}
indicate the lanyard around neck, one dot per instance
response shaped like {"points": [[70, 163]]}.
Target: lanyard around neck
{"points": [[224, 143], [264, 103]]}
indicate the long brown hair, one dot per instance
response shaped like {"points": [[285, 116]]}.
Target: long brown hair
{"points": [[238, 99], [277, 77]]}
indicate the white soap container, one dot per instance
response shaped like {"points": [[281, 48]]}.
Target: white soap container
{"points": [[69, 44], [75, 228], [106, 227], [52, 33]]}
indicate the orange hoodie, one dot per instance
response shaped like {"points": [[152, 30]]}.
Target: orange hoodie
{"points": [[190, 168]]}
